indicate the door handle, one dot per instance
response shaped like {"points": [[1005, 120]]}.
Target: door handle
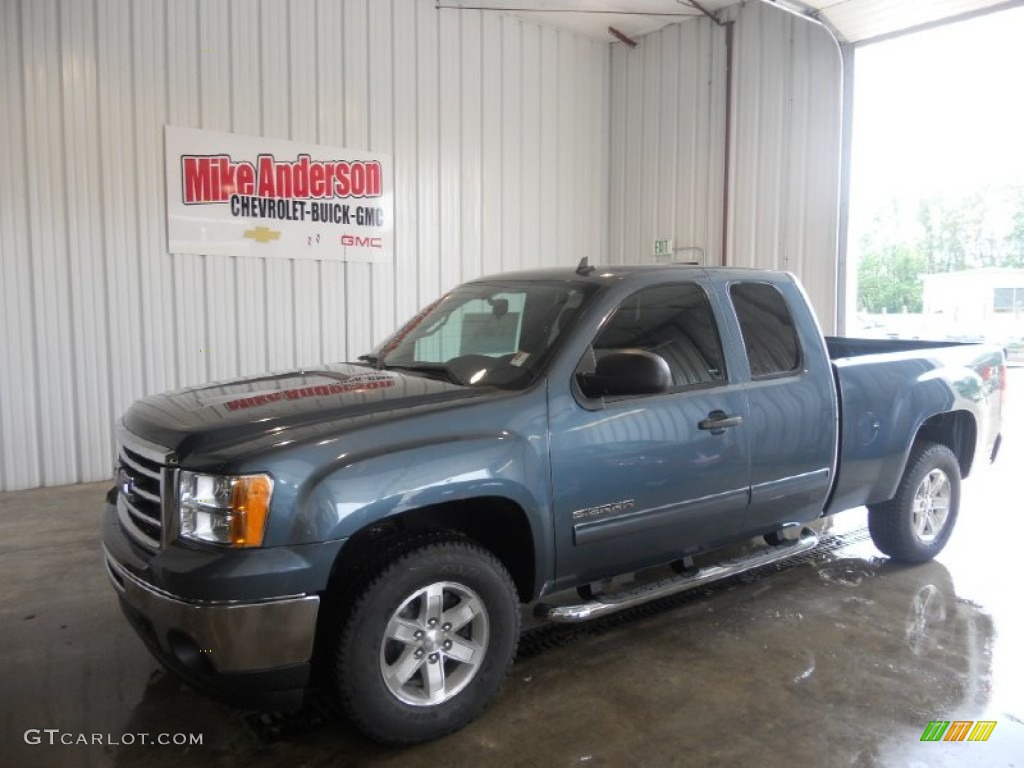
{"points": [[719, 421]]}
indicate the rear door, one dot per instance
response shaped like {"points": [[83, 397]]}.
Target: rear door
{"points": [[793, 419], [645, 479]]}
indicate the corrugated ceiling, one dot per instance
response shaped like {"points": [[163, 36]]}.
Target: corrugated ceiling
{"points": [[852, 20], [860, 20]]}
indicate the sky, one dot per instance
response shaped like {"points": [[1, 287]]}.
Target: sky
{"points": [[939, 112]]}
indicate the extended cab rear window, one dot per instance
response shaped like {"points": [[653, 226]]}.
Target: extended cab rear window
{"points": [[769, 335]]}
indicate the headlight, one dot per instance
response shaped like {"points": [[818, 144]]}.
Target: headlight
{"points": [[224, 509]]}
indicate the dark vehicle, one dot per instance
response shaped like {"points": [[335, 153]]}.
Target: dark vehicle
{"points": [[372, 528]]}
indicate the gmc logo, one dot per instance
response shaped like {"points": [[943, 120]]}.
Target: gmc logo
{"points": [[362, 242], [126, 483]]}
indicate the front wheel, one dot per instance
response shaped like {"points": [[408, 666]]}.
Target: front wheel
{"points": [[914, 526], [427, 643]]}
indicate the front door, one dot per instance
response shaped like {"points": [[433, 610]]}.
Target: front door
{"points": [[647, 479]]}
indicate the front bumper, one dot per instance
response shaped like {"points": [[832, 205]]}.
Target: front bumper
{"points": [[245, 632], [231, 636], [254, 654]]}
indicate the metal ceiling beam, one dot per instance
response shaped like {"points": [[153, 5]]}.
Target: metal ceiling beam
{"points": [[511, 9], [702, 9], [809, 13]]}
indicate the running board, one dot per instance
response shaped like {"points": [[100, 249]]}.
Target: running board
{"points": [[604, 604]]}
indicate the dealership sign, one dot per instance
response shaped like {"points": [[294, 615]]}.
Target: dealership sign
{"points": [[246, 196]]}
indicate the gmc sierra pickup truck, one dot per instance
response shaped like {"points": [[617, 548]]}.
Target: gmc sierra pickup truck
{"points": [[371, 529]]}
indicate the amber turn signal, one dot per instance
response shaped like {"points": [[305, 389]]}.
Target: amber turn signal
{"points": [[250, 503]]}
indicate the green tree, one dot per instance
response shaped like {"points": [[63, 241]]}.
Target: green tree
{"points": [[937, 235], [953, 234], [889, 279], [1015, 240]]}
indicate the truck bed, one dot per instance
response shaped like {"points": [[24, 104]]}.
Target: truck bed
{"points": [[841, 346], [888, 389]]}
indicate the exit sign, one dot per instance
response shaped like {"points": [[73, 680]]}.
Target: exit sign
{"points": [[663, 248]]}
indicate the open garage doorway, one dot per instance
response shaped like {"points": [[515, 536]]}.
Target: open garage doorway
{"points": [[936, 229]]}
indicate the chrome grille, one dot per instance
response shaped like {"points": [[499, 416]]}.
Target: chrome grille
{"points": [[142, 479]]}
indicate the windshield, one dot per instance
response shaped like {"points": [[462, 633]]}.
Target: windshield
{"points": [[486, 334]]}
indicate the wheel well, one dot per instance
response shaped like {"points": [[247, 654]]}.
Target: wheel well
{"points": [[496, 523], [957, 431]]}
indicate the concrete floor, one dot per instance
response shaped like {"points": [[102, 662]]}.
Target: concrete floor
{"points": [[839, 661]]}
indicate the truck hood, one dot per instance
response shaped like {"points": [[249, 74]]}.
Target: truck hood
{"points": [[213, 417]]}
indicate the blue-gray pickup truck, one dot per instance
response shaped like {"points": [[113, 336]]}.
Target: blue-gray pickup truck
{"points": [[372, 529]]}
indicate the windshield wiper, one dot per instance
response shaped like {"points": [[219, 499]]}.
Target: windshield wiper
{"points": [[371, 359], [429, 369]]}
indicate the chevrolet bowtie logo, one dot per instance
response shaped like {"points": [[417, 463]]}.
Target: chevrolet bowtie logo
{"points": [[262, 234]]}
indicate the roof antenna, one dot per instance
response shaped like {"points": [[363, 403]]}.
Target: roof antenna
{"points": [[584, 268]]}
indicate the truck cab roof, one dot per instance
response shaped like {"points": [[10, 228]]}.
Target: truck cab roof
{"points": [[638, 273]]}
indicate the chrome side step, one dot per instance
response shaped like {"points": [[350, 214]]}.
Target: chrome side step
{"points": [[604, 604]]}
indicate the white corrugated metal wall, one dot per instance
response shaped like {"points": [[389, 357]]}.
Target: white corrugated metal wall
{"points": [[498, 128], [667, 146], [787, 120], [667, 143]]}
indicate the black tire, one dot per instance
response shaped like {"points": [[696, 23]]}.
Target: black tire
{"points": [[914, 537], [468, 578]]}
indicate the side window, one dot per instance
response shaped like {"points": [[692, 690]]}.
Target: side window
{"points": [[673, 321], [768, 331]]}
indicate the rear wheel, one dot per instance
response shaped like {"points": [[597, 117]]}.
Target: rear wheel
{"points": [[916, 523], [426, 645]]}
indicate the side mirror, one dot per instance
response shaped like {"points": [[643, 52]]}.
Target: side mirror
{"points": [[627, 372]]}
